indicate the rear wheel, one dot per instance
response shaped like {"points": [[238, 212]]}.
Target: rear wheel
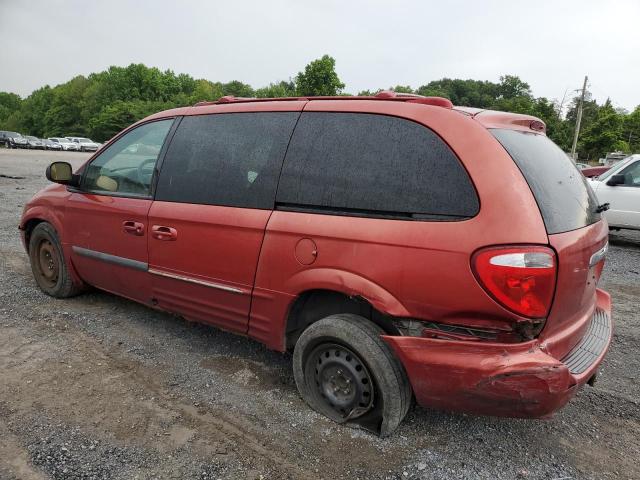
{"points": [[48, 264], [344, 370]]}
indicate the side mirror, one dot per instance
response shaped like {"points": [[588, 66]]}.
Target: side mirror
{"points": [[61, 172], [616, 180]]}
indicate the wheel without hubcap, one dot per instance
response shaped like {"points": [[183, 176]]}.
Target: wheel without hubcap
{"points": [[48, 264], [344, 370], [340, 379]]}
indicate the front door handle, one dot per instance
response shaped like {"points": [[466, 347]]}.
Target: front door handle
{"points": [[134, 228], [160, 232]]}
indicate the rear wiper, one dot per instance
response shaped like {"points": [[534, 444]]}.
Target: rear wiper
{"points": [[602, 208]]}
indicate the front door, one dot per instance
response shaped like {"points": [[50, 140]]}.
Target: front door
{"points": [[215, 194], [107, 215], [623, 199]]}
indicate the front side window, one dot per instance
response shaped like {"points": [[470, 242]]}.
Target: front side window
{"points": [[126, 166], [632, 175], [230, 159]]}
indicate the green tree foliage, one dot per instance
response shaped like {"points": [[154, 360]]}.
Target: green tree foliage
{"points": [[604, 133], [104, 103], [276, 90], [319, 78]]}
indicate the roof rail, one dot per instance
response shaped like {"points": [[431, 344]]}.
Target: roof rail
{"points": [[382, 95], [232, 99], [415, 98]]}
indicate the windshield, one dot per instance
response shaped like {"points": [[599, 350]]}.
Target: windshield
{"points": [[13, 134], [564, 197], [616, 168], [85, 140], [32, 138]]}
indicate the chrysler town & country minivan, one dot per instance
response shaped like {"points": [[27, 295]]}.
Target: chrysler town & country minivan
{"points": [[399, 246]]}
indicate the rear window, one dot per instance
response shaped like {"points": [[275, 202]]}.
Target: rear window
{"points": [[564, 197], [373, 165]]}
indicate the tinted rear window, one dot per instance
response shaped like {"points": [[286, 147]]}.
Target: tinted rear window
{"points": [[231, 159], [564, 197], [375, 165]]}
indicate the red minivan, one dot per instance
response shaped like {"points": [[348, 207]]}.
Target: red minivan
{"points": [[398, 245]]}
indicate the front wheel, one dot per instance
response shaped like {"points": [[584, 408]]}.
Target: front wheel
{"points": [[344, 370], [48, 265]]}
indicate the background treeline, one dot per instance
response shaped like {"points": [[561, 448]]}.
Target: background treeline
{"points": [[102, 104]]}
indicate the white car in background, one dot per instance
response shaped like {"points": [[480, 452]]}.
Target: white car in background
{"points": [[620, 188], [65, 143], [86, 144]]}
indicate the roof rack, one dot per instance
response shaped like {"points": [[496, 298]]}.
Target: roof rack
{"points": [[382, 95]]}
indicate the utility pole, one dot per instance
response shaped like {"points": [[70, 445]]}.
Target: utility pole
{"points": [[578, 120]]}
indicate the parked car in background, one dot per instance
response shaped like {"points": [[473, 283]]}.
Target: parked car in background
{"points": [[51, 145], [591, 172], [13, 140], [86, 144], [620, 188], [4, 137], [34, 143], [65, 143], [582, 166], [398, 245]]}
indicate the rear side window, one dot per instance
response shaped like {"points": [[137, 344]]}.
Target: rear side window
{"points": [[564, 197], [376, 165], [231, 159]]}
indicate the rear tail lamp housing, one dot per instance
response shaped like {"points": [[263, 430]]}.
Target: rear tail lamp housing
{"points": [[520, 278]]}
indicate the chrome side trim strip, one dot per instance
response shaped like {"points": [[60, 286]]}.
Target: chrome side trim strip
{"points": [[197, 281], [108, 258]]}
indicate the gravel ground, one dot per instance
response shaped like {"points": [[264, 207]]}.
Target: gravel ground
{"points": [[98, 387]]}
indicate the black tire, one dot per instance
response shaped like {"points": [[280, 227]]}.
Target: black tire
{"points": [[353, 352], [48, 263]]}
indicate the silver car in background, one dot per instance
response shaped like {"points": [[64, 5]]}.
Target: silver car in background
{"points": [[65, 143], [34, 142], [86, 144]]}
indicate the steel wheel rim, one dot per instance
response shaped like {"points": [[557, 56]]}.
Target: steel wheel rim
{"points": [[340, 380], [47, 263]]}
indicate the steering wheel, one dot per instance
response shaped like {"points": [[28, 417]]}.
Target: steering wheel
{"points": [[144, 172]]}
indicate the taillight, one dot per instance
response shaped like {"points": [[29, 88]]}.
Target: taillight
{"points": [[521, 279]]}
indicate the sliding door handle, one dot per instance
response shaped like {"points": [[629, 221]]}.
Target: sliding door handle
{"points": [[160, 232]]}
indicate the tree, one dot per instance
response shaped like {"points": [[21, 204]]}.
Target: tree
{"points": [[402, 89], [237, 89], [319, 78], [604, 134], [275, 90], [9, 103], [105, 102], [511, 87], [631, 130]]}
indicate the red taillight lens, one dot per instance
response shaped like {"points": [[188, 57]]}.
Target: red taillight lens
{"points": [[521, 279]]}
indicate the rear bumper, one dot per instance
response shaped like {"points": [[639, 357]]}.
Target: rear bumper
{"points": [[512, 380]]}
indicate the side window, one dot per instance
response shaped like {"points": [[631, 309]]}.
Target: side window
{"points": [[127, 165], [231, 159], [632, 175], [376, 165]]}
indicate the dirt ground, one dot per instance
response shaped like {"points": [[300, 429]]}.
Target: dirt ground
{"points": [[98, 387]]}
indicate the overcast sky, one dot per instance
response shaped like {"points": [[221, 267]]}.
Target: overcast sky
{"points": [[549, 44]]}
